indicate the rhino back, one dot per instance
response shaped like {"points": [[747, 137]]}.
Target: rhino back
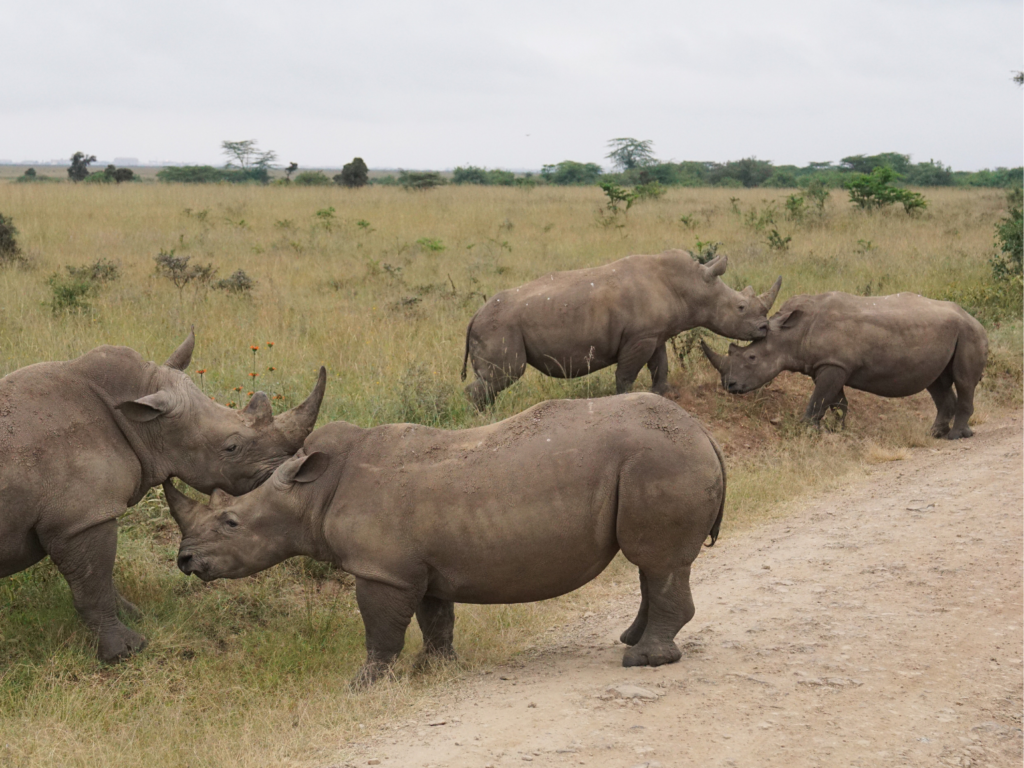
{"points": [[520, 510]]}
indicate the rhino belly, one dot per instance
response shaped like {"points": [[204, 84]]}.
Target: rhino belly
{"points": [[521, 573]]}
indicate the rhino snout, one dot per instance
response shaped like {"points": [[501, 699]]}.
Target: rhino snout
{"points": [[189, 564]]}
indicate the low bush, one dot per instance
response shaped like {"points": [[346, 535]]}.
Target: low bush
{"points": [[10, 251], [312, 179]]}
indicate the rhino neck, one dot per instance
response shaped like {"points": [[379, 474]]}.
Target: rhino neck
{"points": [[131, 379]]}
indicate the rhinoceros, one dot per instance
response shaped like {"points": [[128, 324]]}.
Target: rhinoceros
{"points": [[82, 440], [893, 346], [569, 324], [525, 509]]}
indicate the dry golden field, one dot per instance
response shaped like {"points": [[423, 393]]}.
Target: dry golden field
{"points": [[378, 285]]}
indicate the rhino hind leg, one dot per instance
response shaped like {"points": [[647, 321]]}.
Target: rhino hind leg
{"points": [[636, 630], [669, 608], [86, 561], [386, 612], [945, 401], [437, 623], [967, 367]]}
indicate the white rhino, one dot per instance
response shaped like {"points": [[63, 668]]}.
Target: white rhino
{"points": [[83, 440]]}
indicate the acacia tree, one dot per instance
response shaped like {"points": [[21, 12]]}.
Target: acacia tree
{"points": [[247, 156], [79, 167], [630, 153]]}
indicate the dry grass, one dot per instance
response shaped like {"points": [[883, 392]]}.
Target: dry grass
{"points": [[254, 672]]}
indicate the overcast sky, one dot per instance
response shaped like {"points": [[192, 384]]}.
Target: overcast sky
{"points": [[513, 84]]}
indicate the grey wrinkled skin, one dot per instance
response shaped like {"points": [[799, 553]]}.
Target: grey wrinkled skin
{"points": [[569, 324], [526, 509], [893, 346], [82, 440]]}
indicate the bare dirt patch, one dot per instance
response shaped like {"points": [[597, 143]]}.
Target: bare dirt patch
{"points": [[878, 625]]}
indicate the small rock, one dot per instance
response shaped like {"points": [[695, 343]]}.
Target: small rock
{"points": [[373, 761], [920, 505], [766, 567], [531, 705], [439, 721], [775, 420], [588, 614], [626, 691]]}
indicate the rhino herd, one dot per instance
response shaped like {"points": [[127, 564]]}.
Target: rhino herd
{"points": [[524, 509]]}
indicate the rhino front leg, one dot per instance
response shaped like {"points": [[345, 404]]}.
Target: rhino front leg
{"points": [[669, 608], [828, 390], [386, 612], [86, 560], [632, 358], [658, 366], [437, 623]]}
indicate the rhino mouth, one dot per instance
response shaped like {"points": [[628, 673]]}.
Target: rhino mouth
{"points": [[735, 388]]}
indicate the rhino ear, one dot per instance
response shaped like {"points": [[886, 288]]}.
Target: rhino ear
{"points": [[219, 499], [302, 468], [715, 268], [786, 319], [735, 349], [183, 355], [147, 408]]}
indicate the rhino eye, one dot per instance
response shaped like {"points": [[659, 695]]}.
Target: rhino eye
{"points": [[231, 523], [753, 357], [231, 448], [742, 307]]}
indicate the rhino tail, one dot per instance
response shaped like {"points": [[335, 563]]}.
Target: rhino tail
{"points": [[721, 509], [465, 355]]}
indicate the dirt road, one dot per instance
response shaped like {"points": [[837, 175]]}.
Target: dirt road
{"points": [[879, 625]]}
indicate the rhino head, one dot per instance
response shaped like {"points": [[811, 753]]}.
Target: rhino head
{"points": [[232, 537], [178, 431], [745, 369], [734, 314]]}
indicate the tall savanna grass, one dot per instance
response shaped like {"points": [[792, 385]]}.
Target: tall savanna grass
{"points": [[380, 290]]}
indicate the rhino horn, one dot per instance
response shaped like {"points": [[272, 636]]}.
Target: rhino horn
{"points": [[259, 409], [297, 423], [717, 360], [183, 509], [768, 297], [183, 355]]}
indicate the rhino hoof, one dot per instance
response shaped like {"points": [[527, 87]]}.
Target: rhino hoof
{"points": [[120, 643], [956, 434], [940, 431], [639, 656], [632, 635]]}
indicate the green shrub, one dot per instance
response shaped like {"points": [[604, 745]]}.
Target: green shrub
{"points": [[312, 179], [419, 180], [207, 174], [10, 251], [353, 175], [239, 283], [571, 173], [69, 294], [1007, 263], [100, 271], [875, 190]]}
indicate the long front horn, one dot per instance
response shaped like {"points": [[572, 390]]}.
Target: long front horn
{"points": [[297, 423], [717, 360], [183, 509], [768, 297], [183, 355]]}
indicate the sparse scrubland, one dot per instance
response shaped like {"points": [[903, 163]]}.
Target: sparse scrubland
{"points": [[378, 285]]}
